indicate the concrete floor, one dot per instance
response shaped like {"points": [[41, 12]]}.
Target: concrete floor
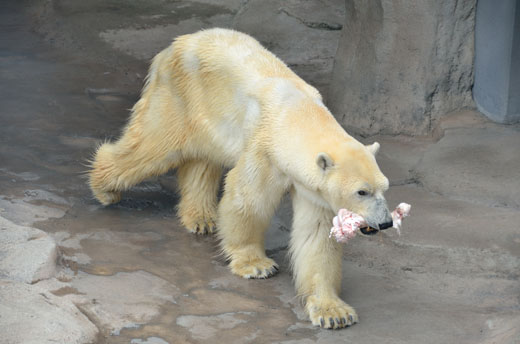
{"points": [[138, 277]]}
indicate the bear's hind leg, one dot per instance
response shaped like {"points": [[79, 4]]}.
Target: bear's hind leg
{"points": [[250, 198], [151, 144], [198, 184], [316, 261], [120, 165], [101, 177]]}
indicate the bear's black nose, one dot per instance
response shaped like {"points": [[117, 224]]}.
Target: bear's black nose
{"points": [[386, 225]]}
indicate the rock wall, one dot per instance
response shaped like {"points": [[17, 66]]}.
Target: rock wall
{"points": [[304, 34], [401, 65]]}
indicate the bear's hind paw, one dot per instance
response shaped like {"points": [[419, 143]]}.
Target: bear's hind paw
{"points": [[254, 268], [197, 223], [202, 227], [107, 198]]}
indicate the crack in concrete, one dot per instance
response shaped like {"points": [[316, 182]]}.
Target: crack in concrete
{"points": [[313, 25], [406, 181], [241, 10]]}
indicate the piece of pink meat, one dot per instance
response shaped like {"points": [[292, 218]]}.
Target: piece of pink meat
{"points": [[347, 223]]}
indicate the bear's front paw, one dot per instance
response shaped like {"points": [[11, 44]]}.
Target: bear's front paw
{"points": [[330, 313], [257, 267]]}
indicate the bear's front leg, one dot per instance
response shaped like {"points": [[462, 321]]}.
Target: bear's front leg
{"points": [[250, 198], [316, 260]]}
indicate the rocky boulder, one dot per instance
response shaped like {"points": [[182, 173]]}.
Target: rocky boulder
{"points": [[30, 314], [27, 254]]}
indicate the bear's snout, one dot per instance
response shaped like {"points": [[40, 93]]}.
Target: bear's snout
{"points": [[386, 225], [380, 227]]}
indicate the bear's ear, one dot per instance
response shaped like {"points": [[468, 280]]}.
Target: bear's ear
{"points": [[373, 148], [324, 161]]}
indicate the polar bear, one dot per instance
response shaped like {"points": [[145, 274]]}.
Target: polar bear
{"points": [[217, 99]]}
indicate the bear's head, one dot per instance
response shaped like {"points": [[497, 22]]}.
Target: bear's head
{"points": [[350, 178]]}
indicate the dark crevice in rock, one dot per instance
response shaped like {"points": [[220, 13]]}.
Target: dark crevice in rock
{"points": [[314, 25], [430, 98], [240, 11], [100, 336]]}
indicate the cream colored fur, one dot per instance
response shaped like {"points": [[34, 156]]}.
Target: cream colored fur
{"points": [[218, 99]]}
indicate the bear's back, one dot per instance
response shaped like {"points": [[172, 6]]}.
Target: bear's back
{"points": [[229, 53], [221, 82]]}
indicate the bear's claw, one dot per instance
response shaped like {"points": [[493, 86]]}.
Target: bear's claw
{"points": [[330, 313], [202, 228]]}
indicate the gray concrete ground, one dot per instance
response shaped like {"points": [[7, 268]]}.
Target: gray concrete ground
{"points": [[128, 273]]}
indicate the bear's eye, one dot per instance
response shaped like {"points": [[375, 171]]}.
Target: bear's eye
{"points": [[362, 193]]}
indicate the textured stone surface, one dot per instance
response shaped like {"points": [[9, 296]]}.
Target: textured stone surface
{"points": [[33, 206], [401, 66], [304, 34], [32, 315], [463, 165], [26, 254], [451, 277], [124, 300]]}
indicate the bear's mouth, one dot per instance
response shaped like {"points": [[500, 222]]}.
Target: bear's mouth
{"points": [[369, 230]]}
